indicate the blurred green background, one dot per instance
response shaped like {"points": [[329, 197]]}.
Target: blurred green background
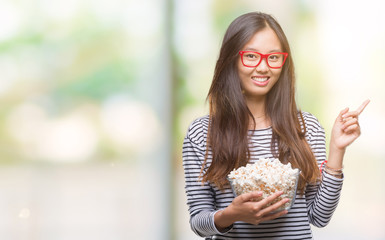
{"points": [[96, 96]]}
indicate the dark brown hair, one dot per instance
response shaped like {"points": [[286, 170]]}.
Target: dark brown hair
{"points": [[230, 116]]}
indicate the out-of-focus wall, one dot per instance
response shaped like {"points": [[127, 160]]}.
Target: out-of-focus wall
{"points": [[96, 96], [85, 120]]}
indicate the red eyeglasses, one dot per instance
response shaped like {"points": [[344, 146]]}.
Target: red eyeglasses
{"points": [[253, 59]]}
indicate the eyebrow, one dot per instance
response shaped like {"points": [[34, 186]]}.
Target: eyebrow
{"points": [[255, 50]]}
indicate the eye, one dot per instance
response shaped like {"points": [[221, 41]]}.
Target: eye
{"points": [[275, 57], [272, 57], [250, 55]]}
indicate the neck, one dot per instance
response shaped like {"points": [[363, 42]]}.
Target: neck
{"points": [[257, 109], [256, 106]]}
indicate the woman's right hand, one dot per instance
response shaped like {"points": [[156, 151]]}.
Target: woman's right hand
{"points": [[244, 208]]}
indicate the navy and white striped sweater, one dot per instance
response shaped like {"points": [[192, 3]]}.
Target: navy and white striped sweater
{"points": [[315, 207]]}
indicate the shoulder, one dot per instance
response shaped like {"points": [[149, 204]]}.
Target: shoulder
{"points": [[310, 120], [197, 131], [312, 125]]}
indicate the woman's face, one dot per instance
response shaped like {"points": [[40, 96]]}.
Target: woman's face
{"points": [[257, 81]]}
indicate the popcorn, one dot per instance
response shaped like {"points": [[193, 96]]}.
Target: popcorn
{"points": [[268, 176]]}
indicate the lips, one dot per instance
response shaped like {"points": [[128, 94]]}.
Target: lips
{"points": [[260, 80]]}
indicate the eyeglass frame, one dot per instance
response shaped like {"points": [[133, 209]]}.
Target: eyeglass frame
{"points": [[262, 57]]}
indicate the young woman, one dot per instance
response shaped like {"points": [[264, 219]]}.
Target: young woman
{"points": [[253, 115]]}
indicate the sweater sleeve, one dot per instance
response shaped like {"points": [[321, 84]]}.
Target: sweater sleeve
{"points": [[200, 196], [322, 198]]}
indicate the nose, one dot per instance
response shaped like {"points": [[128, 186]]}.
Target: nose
{"points": [[262, 67]]}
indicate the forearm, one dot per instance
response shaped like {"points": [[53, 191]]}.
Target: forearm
{"points": [[323, 199], [335, 160], [336, 156]]}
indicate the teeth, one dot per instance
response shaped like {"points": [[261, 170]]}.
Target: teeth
{"points": [[258, 79]]}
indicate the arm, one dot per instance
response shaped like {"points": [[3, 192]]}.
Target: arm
{"points": [[244, 208], [321, 198], [200, 197]]}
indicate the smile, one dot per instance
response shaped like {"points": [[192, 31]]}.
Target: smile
{"points": [[260, 81]]}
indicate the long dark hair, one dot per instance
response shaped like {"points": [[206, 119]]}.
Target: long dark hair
{"points": [[230, 116]]}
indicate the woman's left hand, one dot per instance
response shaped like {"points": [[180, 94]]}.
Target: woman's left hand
{"points": [[346, 128]]}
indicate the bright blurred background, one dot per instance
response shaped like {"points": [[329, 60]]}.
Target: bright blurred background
{"points": [[96, 96]]}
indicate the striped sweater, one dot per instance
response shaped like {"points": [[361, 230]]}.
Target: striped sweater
{"points": [[315, 207]]}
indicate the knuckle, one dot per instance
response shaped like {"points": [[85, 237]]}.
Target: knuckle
{"points": [[243, 198], [259, 214], [256, 209]]}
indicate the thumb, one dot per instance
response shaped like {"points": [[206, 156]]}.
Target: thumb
{"points": [[340, 118]]}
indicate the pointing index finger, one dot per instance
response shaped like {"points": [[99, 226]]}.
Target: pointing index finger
{"points": [[363, 106]]}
